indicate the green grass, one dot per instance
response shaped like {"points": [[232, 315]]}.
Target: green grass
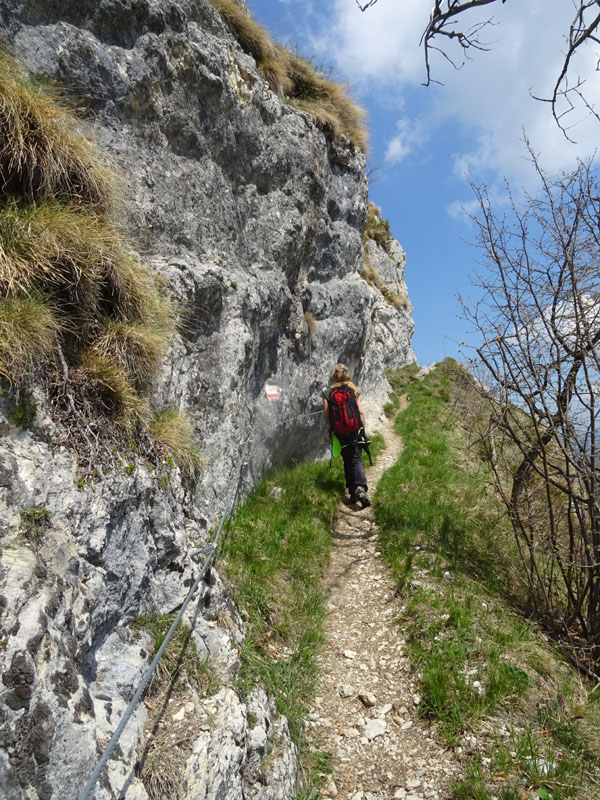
{"points": [[484, 668], [399, 379], [35, 520], [273, 555]]}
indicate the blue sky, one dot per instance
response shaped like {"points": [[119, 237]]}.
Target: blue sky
{"points": [[425, 141]]}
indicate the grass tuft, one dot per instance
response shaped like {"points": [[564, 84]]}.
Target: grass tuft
{"points": [[77, 310], [180, 664], [372, 275], [399, 301], [105, 380], [173, 429], [42, 153], [378, 229], [311, 324], [135, 348], [29, 331]]}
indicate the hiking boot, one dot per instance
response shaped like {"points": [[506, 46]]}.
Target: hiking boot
{"points": [[353, 499], [361, 497]]}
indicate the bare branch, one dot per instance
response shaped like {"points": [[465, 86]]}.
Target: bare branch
{"points": [[445, 25], [538, 322]]}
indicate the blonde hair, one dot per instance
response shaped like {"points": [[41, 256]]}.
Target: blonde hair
{"points": [[341, 375]]}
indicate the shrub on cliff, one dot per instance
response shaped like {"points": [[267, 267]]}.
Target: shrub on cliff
{"points": [[378, 229], [294, 78]]}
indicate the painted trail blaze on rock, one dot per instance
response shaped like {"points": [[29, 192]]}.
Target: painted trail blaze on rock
{"points": [[273, 392]]}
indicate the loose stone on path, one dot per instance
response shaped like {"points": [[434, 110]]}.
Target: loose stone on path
{"points": [[367, 710]]}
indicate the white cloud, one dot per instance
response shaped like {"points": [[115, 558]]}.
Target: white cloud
{"points": [[380, 45], [463, 210], [410, 135], [490, 98]]}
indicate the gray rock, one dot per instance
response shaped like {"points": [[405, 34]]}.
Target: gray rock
{"points": [[253, 218], [367, 698]]}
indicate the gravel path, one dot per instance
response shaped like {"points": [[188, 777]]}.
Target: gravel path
{"points": [[366, 708]]}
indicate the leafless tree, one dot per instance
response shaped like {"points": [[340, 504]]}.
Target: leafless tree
{"points": [[450, 22], [538, 322]]}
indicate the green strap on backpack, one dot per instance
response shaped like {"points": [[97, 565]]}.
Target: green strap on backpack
{"points": [[336, 446]]}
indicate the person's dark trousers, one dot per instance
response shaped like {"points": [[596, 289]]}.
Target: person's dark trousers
{"points": [[354, 470]]}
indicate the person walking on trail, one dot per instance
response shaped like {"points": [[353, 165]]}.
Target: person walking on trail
{"points": [[346, 419]]}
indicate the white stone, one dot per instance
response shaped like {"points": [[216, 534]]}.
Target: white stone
{"points": [[349, 654], [374, 728]]}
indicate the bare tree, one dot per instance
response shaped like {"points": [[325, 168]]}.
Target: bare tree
{"points": [[450, 23], [538, 321]]}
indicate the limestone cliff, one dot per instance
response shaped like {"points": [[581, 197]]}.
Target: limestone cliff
{"points": [[254, 217]]}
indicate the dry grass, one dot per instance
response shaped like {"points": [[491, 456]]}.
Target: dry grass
{"points": [[102, 298], [108, 383], [399, 301], [311, 324], [173, 429], [59, 248], [371, 274], [377, 228], [135, 348], [327, 102], [29, 330], [293, 77], [169, 734], [42, 153]]}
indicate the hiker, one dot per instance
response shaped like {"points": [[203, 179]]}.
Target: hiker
{"points": [[346, 419]]}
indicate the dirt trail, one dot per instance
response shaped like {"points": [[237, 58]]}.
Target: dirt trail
{"points": [[366, 708]]}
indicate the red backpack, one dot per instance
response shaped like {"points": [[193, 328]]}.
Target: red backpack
{"points": [[344, 416]]}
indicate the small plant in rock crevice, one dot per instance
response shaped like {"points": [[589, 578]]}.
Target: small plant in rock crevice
{"points": [[35, 520], [172, 429], [378, 229]]}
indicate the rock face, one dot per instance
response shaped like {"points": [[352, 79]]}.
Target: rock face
{"points": [[254, 218]]}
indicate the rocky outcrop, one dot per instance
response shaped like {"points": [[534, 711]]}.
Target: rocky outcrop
{"points": [[254, 218]]}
